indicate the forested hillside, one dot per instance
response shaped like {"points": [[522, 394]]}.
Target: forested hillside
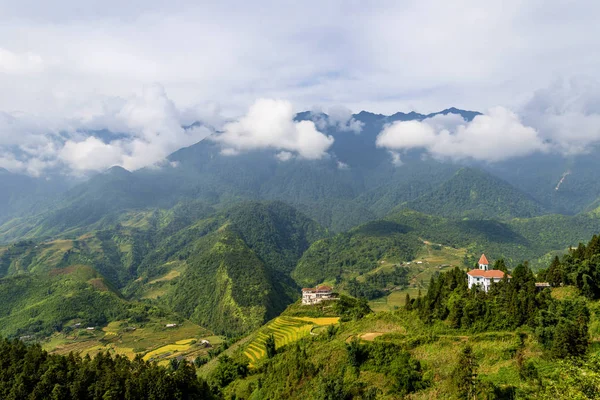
{"points": [[399, 237], [227, 270], [37, 305], [514, 342], [474, 194], [30, 372]]}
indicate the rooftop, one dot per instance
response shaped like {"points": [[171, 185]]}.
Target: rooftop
{"points": [[494, 273], [483, 260]]}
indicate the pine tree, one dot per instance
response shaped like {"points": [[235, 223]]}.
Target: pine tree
{"points": [[270, 346], [500, 265], [464, 375], [407, 303]]}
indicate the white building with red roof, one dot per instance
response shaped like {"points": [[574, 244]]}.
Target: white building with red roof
{"points": [[317, 294], [484, 276]]}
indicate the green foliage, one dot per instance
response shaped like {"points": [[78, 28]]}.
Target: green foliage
{"points": [[464, 374], [573, 380], [356, 251], [270, 346], [226, 372], [580, 267], [38, 305], [349, 308], [390, 359], [374, 284], [563, 328], [225, 287], [30, 372], [473, 193], [513, 240]]}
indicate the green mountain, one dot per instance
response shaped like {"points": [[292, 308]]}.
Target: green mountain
{"points": [[22, 195], [40, 304], [400, 235], [227, 287], [476, 194], [227, 270], [356, 251]]}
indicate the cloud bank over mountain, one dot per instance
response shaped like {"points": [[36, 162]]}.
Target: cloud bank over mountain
{"points": [[133, 133], [270, 124], [563, 118], [493, 136], [68, 68]]}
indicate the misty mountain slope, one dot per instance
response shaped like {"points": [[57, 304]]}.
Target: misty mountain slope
{"points": [[356, 183], [474, 193], [23, 195], [563, 184], [326, 189]]}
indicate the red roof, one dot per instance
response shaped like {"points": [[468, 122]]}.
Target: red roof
{"points": [[483, 260], [494, 273]]}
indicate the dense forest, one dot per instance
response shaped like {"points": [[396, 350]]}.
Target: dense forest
{"points": [[475, 194], [28, 372]]}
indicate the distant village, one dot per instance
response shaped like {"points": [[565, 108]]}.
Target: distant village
{"points": [[483, 276]]}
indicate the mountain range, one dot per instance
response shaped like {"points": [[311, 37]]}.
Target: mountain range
{"points": [[227, 241]]}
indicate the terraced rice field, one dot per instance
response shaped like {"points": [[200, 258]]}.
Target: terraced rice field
{"points": [[170, 348], [285, 330]]}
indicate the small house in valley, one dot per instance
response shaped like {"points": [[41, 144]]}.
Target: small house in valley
{"points": [[484, 276], [317, 294]]}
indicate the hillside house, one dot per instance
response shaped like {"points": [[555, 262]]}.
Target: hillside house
{"points": [[316, 295], [484, 276]]}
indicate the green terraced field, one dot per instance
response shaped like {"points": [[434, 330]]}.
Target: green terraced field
{"points": [[285, 330]]}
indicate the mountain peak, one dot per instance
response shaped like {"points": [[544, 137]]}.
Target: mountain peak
{"points": [[117, 171], [466, 114]]}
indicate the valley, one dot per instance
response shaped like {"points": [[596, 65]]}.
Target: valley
{"points": [[198, 266]]}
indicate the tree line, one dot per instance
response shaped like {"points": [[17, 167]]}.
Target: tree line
{"points": [[28, 372]]}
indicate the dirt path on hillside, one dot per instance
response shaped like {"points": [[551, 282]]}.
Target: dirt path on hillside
{"points": [[370, 336]]}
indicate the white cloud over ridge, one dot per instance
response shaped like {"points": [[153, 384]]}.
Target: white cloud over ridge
{"points": [[138, 132], [270, 124], [494, 136], [567, 113], [337, 117], [67, 67]]}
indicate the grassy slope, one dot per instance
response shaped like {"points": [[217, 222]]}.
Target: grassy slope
{"points": [[437, 347], [38, 304]]}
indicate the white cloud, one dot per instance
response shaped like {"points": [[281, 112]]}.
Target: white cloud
{"points": [[403, 135], [145, 129], [284, 156], [269, 124], [306, 52], [396, 159], [494, 136], [91, 154], [567, 113], [342, 165], [337, 117], [25, 63]]}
